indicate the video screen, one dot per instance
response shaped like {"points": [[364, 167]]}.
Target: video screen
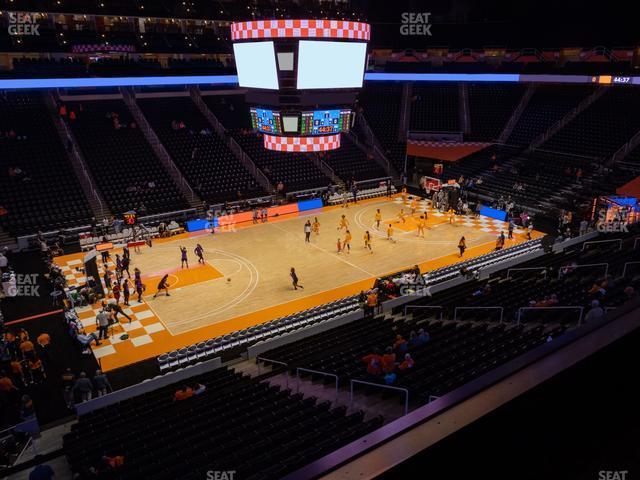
{"points": [[266, 121], [324, 122], [331, 64], [256, 65]]}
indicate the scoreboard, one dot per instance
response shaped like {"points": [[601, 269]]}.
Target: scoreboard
{"points": [[314, 122], [266, 121], [323, 122]]}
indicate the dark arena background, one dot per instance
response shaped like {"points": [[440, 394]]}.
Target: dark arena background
{"points": [[305, 239]]}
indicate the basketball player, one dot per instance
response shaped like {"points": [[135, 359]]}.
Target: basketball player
{"points": [[390, 233], [199, 251], [294, 279], [316, 226], [183, 257], [163, 285], [307, 232], [452, 216], [401, 216], [414, 205], [378, 218], [404, 195], [422, 223], [344, 223], [339, 245], [347, 242], [367, 241], [462, 246]]}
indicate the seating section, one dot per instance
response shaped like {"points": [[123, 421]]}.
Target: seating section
{"points": [[603, 127], [491, 106], [237, 424], [202, 156], [435, 108], [547, 105], [474, 341], [351, 163], [47, 194], [123, 164], [295, 171], [381, 104]]}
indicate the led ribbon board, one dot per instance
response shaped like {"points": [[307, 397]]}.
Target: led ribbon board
{"points": [[302, 144], [336, 29]]}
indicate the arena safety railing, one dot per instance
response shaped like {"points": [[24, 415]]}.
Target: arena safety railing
{"points": [[570, 307], [378, 385], [624, 270], [568, 269], [613, 240], [432, 307], [317, 372], [526, 269], [455, 312], [277, 362]]}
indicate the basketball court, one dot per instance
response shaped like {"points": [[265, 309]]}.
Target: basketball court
{"points": [[245, 278]]}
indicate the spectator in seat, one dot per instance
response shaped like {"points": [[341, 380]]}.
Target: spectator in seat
{"points": [[183, 393], [388, 361], [423, 337], [596, 312], [27, 412], [407, 363], [400, 344], [630, 293], [84, 387], [374, 363], [6, 384], [41, 471]]}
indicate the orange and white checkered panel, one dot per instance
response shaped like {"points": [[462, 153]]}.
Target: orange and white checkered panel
{"points": [[302, 144], [339, 29]]}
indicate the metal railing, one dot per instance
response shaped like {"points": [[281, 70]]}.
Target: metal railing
{"points": [[526, 268], [593, 242], [624, 269], [277, 362], [317, 372], [563, 270], [378, 385], [434, 307], [455, 312], [574, 307]]}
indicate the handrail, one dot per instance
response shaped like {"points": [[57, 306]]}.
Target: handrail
{"points": [[584, 245], [526, 268], [425, 306], [278, 362], [624, 270], [455, 312], [562, 270], [573, 307], [635, 243], [362, 382], [300, 369]]}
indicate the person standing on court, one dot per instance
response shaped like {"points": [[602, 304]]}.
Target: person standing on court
{"points": [[183, 257], [307, 232], [462, 246], [199, 251], [163, 285], [294, 279]]}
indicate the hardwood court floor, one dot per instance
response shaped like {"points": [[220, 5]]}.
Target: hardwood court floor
{"points": [[245, 280]]}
